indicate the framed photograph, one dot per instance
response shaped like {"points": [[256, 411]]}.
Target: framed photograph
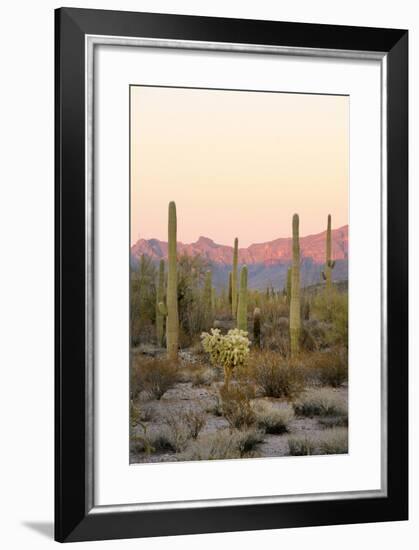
{"points": [[231, 274]]}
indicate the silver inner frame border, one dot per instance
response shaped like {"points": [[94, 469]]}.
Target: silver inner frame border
{"points": [[90, 42]]}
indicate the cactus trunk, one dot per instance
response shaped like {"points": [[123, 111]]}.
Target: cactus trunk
{"points": [[159, 299], [289, 274], [230, 298], [329, 264], [242, 303], [256, 327], [295, 315], [172, 322], [234, 278]]}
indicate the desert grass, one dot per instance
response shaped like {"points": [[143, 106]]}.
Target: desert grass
{"points": [[272, 419], [332, 441], [321, 402]]}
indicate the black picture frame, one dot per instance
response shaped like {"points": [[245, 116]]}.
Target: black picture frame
{"points": [[74, 518]]}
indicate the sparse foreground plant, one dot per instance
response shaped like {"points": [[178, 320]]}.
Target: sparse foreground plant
{"points": [[321, 402], [182, 426], [152, 376], [236, 405], [272, 419], [275, 376], [332, 441], [224, 444]]}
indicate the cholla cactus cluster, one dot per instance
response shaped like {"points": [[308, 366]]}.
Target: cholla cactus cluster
{"points": [[228, 351]]}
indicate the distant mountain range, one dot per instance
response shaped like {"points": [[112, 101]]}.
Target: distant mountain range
{"points": [[267, 262]]}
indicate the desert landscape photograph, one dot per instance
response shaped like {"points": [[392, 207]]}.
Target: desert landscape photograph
{"points": [[239, 252]]}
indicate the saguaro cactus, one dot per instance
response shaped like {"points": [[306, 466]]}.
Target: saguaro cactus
{"points": [[159, 299], [229, 289], [256, 327], [288, 291], [234, 278], [172, 321], [330, 264], [242, 304], [208, 292], [295, 314]]}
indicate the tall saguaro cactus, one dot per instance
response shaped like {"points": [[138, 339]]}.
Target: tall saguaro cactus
{"points": [[256, 327], [172, 321], [229, 289], [289, 275], [159, 299], [242, 303], [295, 314], [234, 278], [208, 291], [330, 264]]}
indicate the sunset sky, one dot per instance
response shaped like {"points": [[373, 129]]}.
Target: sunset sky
{"points": [[237, 163]]}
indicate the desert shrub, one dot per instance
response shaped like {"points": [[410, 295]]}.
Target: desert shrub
{"points": [[142, 443], [299, 445], [183, 425], [271, 419], [333, 421], [194, 420], [143, 301], [333, 441], [224, 444], [334, 311], [154, 376], [215, 407], [139, 414], [321, 402], [198, 375], [275, 334], [193, 317], [236, 405], [274, 375], [331, 366]]}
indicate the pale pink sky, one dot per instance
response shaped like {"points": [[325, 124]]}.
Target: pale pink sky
{"points": [[237, 163]]}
